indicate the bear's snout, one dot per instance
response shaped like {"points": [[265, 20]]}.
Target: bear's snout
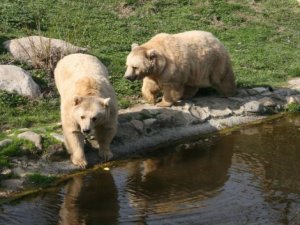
{"points": [[86, 131], [130, 77]]}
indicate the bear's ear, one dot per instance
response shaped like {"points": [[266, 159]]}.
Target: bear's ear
{"points": [[152, 54], [105, 101], [134, 45], [77, 100]]}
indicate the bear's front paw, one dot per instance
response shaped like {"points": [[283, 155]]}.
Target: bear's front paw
{"points": [[106, 155], [164, 104], [79, 161]]}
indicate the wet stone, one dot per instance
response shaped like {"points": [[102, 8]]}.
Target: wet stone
{"points": [[13, 184]]}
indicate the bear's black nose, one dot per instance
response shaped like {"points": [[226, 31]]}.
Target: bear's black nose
{"points": [[86, 131], [131, 78]]}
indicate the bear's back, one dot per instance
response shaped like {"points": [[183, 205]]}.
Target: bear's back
{"points": [[76, 73]]}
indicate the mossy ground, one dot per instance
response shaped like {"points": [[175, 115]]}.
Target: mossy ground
{"points": [[262, 37]]}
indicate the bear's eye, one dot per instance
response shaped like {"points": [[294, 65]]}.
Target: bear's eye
{"points": [[134, 68], [82, 117], [94, 119]]}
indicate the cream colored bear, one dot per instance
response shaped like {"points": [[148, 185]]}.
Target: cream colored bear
{"points": [[179, 65], [88, 103]]}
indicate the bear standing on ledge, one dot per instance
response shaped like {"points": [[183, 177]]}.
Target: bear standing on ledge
{"points": [[88, 103], [179, 65]]}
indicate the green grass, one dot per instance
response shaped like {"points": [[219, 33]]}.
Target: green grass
{"points": [[293, 108], [262, 37], [16, 148], [40, 180]]}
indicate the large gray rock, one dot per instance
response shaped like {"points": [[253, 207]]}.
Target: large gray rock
{"points": [[254, 107], [40, 51], [15, 79], [5, 142], [35, 138]]}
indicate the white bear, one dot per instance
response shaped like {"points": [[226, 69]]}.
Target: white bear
{"points": [[88, 103], [180, 64]]}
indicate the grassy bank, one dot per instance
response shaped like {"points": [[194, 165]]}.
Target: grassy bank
{"points": [[262, 37]]}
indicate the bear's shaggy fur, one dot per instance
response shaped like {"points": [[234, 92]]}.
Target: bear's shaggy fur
{"points": [[88, 103], [179, 65]]}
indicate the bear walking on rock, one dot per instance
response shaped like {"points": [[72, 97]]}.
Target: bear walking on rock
{"points": [[180, 64], [88, 103]]}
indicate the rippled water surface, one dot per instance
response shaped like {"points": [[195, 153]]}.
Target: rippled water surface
{"points": [[251, 176]]}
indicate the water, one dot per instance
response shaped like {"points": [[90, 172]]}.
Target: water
{"points": [[251, 176]]}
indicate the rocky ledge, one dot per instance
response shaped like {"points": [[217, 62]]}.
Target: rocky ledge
{"points": [[145, 127]]}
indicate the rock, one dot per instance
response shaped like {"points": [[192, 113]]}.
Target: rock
{"points": [[254, 107], [283, 92], [19, 171], [55, 152], [5, 142], [39, 50], [33, 137], [293, 99], [15, 79], [239, 111], [217, 113], [13, 184], [242, 93], [267, 102], [201, 113], [58, 137], [149, 122], [237, 99], [6, 172], [126, 132], [138, 125], [260, 90]]}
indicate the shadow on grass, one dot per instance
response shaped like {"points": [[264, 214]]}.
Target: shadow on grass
{"points": [[2, 39]]}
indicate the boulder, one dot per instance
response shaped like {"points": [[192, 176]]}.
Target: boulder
{"points": [[40, 51], [35, 138], [15, 79], [5, 142]]}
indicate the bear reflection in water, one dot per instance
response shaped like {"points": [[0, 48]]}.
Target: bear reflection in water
{"points": [[157, 184]]}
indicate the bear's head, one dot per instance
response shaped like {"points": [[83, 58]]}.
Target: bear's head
{"points": [[141, 62], [90, 111]]}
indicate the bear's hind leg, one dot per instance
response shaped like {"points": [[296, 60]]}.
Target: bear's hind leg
{"points": [[104, 136], [74, 142], [149, 90]]}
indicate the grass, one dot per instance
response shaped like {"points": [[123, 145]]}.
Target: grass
{"points": [[40, 180], [293, 108], [262, 37], [16, 148]]}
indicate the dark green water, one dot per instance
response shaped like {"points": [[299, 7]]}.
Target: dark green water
{"points": [[251, 176]]}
